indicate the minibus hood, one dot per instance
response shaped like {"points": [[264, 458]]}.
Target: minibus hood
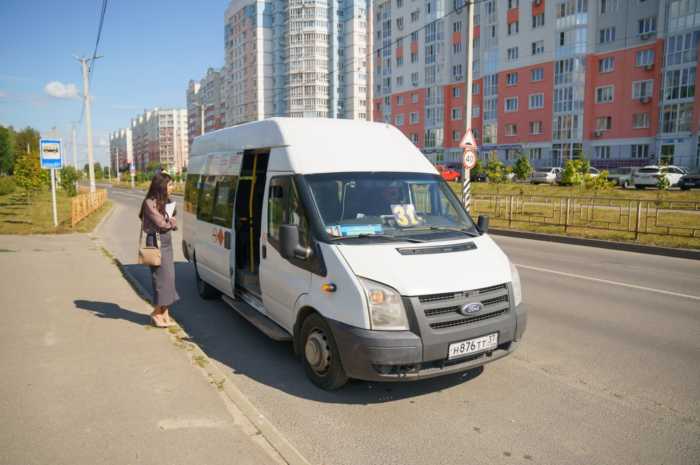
{"points": [[418, 271]]}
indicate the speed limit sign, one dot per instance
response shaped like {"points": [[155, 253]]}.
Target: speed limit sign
{"points": [[469, 159]]}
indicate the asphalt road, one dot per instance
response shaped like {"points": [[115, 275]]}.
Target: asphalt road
{"points": [[608, 373]]}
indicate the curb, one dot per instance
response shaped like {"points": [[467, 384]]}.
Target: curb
{"points": [[600, 243], [274, 443], [97, 227]]}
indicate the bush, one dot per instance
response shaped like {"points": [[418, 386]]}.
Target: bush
{"points": [[663, 183], [599, 182], [69, 176], [574, 172], [495, 171], [522, 168], [7, 185]]}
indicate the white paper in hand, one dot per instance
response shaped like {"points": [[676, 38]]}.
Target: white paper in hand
{"points": [[170, 208]]}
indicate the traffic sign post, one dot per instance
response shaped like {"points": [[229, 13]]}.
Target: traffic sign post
{"points": [[132, 171], [469, 161], [50, 153]]}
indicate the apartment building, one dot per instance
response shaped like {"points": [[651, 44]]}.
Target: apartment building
{"points": [[121, 152], [206, 104], [160, 136], [610, 80]]}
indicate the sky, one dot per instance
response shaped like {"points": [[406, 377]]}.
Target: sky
{"points": [[150, 48]]}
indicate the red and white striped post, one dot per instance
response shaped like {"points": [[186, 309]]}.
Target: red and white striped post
{"points": [[469, 161]]}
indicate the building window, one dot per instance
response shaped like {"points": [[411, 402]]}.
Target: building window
{"points": [[536, 153], [512, 53], [457, 27], [538, 21], [476, 88], [398, 121], [414, 78], [457, 72], [607, 35], [679, 83], [457, 48], [399, 100], [414, 138], [536, 101], [642, 89], [511, 129], [414, 57], [535, 127], [538, 47], [399, 61], [414, 117], [676, 117], [513, 28], [682, 48], [603, 152], [415, 15], [414, 98], [414, 36], [604, 94], [511, 79], [511, 104], [608, 6], [456, 135], [512, 4], [399, 3], [606, 65], [476, 111], [640, 120], [456, 92], [399, 23], [640, 151], [644, 57], [646, 25], [456, 114], [537, 74], [603, 123]]}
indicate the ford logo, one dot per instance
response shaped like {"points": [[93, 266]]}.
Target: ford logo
{"points": [[471, 308]]}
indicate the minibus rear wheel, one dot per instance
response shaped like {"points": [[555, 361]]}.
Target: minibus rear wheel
{"points": [[205, 290], [320, 354]]}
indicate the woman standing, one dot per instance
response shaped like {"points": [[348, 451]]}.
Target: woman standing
{"points": [[157, 224]]}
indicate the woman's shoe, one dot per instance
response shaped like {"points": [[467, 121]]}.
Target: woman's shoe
{"points": [[158, 323]]}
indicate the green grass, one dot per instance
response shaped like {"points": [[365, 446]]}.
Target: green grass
{"points": [[17, 216]]}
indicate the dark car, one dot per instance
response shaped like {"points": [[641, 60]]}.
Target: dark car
{"points": [[689, 181], [478, 177]]}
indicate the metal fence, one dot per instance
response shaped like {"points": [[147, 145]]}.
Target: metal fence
{"points": [[86, 203], [658, 217]]}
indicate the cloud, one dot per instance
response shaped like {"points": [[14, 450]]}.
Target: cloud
{"points": [[57, 89]]}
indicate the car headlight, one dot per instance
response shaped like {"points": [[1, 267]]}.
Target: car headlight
{"points": [[517, 287], [386, 311]]}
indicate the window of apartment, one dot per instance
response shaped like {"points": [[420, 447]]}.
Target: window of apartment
{"points": [[538, 47], [414, 98], [399, 61], [493, 31], [399, 23], [536, 74], [511, 104], [535, 101], [456, 92], [414, 36], [399, 3], [562, 39], [457, 48], [511, 129], [676, 117], [641, 89], [640, 120], [511, 79], [603, 123], [535, 127], [644, 57], [602, 152], [399, 100], [414, 138], [476, 88], [604, 94], [679, 83], [490, 108], [513, 28], [536, 153], [606, 65], [607, 35], [414, 117], [682, 48], [608, 6], [414, 78], [512, 53], [457, 72], [399, 81], [456, 135], [646, 25], [398, 121], [414, 57], [456, 114], [415, 15], [512, 4], [476, 111], [457, 27], [640, 151], [538, 21]]}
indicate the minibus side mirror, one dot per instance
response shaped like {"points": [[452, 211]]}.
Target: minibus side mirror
{"points": [[483, 223], [289, 243]]}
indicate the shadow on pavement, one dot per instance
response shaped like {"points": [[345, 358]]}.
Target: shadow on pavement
{"points": [[229, 339], [112, 311]]}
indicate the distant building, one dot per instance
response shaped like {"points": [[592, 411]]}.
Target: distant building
{"points": [[206, 104], [121, 152], [160, 136]]}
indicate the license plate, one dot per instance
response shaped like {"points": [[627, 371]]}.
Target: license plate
{"points": [[472, 346]]}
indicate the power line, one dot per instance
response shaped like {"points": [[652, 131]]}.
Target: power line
{"points": [[103, 11]]}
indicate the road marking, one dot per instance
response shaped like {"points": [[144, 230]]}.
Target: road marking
{"points": [[606, 281]]}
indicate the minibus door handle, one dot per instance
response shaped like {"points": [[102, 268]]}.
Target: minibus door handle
{"points": [[264, 251]]}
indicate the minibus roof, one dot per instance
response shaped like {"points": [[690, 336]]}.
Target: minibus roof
{"points": [[319, 145]]}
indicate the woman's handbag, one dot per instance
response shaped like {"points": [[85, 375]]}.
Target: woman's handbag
{"points": [[148, 255]]}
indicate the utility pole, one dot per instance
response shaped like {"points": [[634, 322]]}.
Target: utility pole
{"points": [[88, 118], [370, 63], [468, 142]]}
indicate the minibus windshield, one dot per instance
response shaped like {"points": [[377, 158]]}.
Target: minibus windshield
{"points": [[398, 205]]}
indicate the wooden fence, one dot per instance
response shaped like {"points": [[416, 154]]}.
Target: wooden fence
{"points": [[86, 203]]}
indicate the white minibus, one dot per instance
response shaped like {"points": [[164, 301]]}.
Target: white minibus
{"points": [[341, 237]]}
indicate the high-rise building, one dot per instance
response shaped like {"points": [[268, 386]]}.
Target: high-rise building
{"points": [[120, 150], [160, 137], [206, 104], [609, 80]]}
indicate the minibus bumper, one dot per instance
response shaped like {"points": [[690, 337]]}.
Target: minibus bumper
{"points": [[400, 355]]}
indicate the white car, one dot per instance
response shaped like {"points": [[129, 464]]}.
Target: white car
{"points": [[545, 175], [648, 176]]}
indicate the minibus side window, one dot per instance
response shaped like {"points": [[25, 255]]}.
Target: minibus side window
{"points": [[223, 203], [191, 193], [284, 207], [205, 205]]}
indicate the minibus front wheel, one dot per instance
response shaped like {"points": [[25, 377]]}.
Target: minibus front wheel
{"points": [[320, 354], [205, 290]]}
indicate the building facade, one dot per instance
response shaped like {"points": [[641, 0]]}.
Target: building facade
{"points": [[206, 104], [609, 80], [159, 137], [121, 152]]}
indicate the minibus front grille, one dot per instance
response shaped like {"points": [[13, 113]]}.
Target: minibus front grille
{"points": [[424, 299], [466, 321]]}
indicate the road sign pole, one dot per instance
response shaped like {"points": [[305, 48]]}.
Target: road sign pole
{"points": [[466, 190], [53, 197]]}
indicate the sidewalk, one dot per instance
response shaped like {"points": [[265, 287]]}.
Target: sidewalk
{"points": [[87, 380]]}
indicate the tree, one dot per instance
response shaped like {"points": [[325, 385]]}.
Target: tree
{"points": [[28, 174], [99, 172], [69, 177], [495, 171], [574, 172], [662, 182], [27, 137], [522, 168], [7, 149]]}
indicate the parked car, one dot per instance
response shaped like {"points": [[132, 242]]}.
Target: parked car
{"points": [[478, 177], [689, 181], [649, 175], [622, 176], [545, 175], [447, 173]]}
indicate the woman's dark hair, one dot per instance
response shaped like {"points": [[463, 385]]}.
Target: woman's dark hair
{"points": [[158, 191]]}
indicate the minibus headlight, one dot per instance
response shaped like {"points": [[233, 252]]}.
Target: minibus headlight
{"points": [[386, 311], [517, 288]]}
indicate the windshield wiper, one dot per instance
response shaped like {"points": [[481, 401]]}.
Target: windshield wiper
{"points": [[447, 228], [383, 236]]}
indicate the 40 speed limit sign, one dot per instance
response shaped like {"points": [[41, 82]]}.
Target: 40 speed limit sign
{"points": [[469, 159]]}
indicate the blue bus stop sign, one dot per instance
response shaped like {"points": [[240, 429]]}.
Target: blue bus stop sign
{"points": [[50, 153]]}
